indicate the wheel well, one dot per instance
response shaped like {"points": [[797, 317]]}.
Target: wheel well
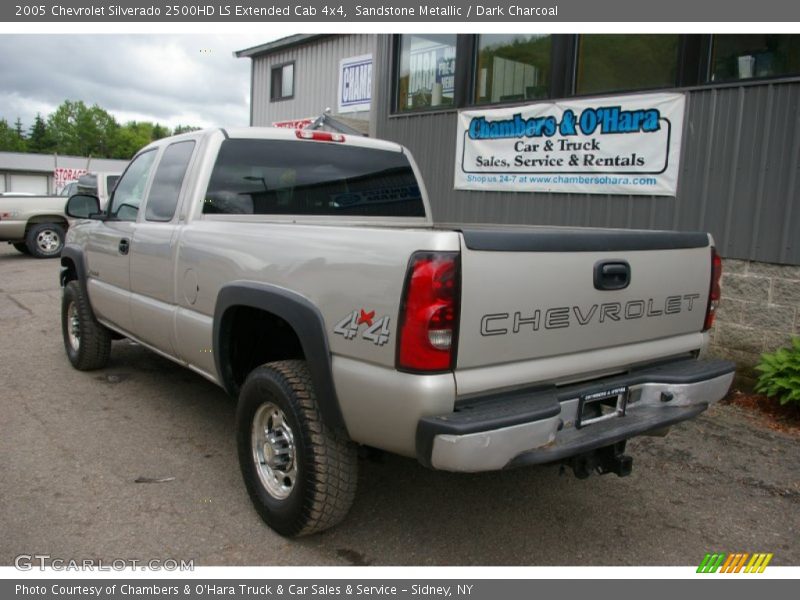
{"points": [[54, 219], [250, 337], [68, 271]]}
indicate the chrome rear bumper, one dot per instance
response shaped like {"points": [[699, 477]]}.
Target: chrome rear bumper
{"points": [[543, 425]]}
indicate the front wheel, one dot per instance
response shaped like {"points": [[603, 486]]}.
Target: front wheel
{"points": [[300, 475], [45, 240], [87, 342]]}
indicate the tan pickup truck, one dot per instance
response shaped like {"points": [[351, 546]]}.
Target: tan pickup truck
{"points": [[37, 225], [302, 272]]}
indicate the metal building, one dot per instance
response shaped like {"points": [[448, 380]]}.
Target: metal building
{"points": [[294, 80], [44, 174], [738, 175]]}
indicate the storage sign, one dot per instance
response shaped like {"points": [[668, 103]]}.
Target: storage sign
{"points": [[623, 145], [355, 83], [63, 175], [294, 123]]}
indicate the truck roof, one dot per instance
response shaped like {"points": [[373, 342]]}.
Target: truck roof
{"points": [[282, 133]]}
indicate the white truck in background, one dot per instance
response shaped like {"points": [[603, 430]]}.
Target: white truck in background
{"points": [[97, 183], [302, 272]]}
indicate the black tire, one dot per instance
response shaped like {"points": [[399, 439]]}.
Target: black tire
{"points": [[45, 240], [93, 347], [321, 483], [21, 247]]}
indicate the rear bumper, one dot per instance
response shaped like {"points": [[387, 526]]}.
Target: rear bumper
{"points": [[541, 425]]}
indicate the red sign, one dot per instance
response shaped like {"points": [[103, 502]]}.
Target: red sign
{"points": [[294, 123], [63, 176]]}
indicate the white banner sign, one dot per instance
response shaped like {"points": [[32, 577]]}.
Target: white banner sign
{"points": [[355, 83], [622, 145]]}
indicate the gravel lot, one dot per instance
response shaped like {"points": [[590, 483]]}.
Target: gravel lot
{"points": [[73, 444]]}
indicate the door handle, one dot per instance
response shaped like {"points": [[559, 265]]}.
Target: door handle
{"points": [[124, 246], [612, 275]]}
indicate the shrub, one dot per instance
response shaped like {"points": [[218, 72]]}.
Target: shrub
{"points": [[780, 373]]}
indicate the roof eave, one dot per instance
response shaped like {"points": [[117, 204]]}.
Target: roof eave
{"points": [[280, 45]]}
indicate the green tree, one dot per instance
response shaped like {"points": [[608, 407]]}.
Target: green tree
{"points": [[82, 131], [185, 129], [131, 137], [10, 138], [39, 139], [159, 131]]}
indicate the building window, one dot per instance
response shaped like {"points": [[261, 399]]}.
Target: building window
{"points": [[282, 82], [512, 68], [610, 63], [735, 57], [426, 71]]}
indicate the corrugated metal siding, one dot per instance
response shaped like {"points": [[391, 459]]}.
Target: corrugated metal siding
{"points": [[316, 78], [45, 163], [738, 177]]}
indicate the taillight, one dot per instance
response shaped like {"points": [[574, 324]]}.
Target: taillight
{"points": [[429, 313], [320, 136], [714, 292]]}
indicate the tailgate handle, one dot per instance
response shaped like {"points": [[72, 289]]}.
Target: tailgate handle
{"points": [[612, 275]]}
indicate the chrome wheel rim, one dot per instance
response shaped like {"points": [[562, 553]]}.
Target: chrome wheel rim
{"points": [[274, 451], [48, 240], [73, 327]]}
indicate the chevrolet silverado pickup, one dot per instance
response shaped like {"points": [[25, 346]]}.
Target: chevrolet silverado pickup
{"points": [[302, 272], [37, 225]]}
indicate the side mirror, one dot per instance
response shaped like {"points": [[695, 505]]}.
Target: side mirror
{"points": [[83, 206]]}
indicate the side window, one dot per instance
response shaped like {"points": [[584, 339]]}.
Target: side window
{"points": [[130, 189], [69, 189], [163, 197]]}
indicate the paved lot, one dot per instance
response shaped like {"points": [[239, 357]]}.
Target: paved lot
{"points": [[73, 444]]}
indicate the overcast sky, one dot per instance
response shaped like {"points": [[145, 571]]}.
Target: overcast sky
{"points": [[170, 79]]}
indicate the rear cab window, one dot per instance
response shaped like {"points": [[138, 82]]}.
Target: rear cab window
{"points": [[168, 181], [283, 177]]}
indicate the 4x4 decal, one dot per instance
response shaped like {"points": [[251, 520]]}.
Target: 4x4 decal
{"points": [[377, 331]]}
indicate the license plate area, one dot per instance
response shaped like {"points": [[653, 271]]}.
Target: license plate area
{"points": [[602, 406]]}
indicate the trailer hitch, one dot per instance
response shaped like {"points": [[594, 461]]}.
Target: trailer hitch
{"points": [[609, 459]]}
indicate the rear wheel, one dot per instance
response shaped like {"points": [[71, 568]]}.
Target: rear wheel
{"points": [[87, 342], [300, 475], [21, 247], [45, 240]]}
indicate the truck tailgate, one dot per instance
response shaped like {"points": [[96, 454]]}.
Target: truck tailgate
{"points": [[534, 293]]}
